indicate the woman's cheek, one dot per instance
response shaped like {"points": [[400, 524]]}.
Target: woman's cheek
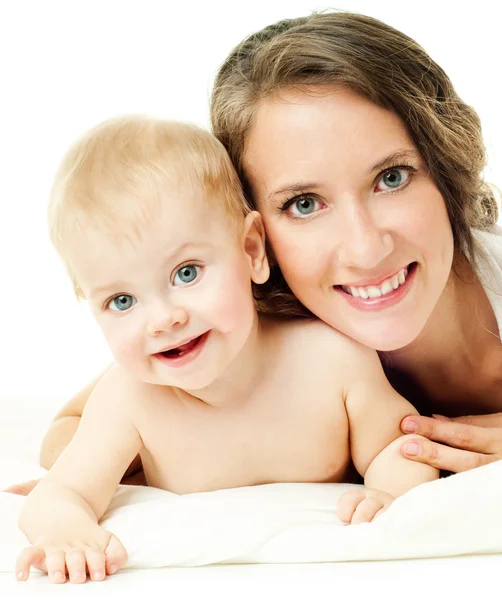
{"points": [[297, 256]]}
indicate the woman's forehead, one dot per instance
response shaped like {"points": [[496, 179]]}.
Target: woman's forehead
{"points": [[299, 131]]}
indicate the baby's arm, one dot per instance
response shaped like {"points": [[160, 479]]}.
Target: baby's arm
{"points": [[65, 424], [375, 411], [60, 516]]}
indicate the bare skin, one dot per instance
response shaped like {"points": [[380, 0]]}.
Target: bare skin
{"points": [[233, 443], [440, 345], [210, 393]]}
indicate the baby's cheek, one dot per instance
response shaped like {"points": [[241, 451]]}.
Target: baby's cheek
{"points": [[127, 348], [231, 306]]}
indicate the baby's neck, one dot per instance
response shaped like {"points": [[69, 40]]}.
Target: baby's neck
{"points": [[236, 384]]}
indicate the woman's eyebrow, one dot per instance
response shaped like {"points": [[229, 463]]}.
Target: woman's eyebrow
{"points": [[391, 159], [296, 187], [300, 186]]}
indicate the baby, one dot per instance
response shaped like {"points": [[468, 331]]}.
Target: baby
{"points": [[151, 223]]}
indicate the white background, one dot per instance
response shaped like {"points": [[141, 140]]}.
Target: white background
{"points": [[67, 65]]}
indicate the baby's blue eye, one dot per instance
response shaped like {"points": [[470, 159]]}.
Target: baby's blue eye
{"points": [[186, 274], [121, 303]]}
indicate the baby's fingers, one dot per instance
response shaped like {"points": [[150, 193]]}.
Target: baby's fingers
{"points": [[56, 565], [75, 563], [348, 503], [367, 510], [31, 556], [95, 559], [116, 555]]}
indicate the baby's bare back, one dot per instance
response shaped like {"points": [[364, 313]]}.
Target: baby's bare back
{"points": [[292, 428]]}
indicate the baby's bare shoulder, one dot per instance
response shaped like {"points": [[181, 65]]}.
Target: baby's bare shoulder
{"points": [[315, 338], [118, 388]]}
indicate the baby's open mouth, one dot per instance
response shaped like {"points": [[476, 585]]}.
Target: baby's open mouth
{"points": [[184, 348]]}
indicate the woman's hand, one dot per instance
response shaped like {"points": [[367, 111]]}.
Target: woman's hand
{"points": [[455, 445]]}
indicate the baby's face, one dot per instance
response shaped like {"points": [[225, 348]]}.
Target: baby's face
{"points": [[174, 302]]}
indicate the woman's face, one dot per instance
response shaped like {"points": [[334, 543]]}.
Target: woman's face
{"points": [[355, 221]]}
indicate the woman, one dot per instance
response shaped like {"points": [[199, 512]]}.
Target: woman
{"points": [[366, 165]]}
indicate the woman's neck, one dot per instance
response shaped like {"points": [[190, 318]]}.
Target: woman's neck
{"points": [[458, 337]]}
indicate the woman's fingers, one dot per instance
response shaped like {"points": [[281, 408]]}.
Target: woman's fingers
{"points": [[444, 457], [487, 440], [493, 420]]}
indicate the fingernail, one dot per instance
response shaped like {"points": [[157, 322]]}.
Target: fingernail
{"points": [[98, 575], [441, 418], [112, 569], [20, 575], [410, 426], [412, 448]]}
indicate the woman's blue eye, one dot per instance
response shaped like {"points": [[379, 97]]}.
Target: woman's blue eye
{"points": [[393, 179], [186, 274], [302, 207], [121, 303]]}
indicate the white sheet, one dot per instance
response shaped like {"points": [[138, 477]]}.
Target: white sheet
{"points": [[161, 528]]}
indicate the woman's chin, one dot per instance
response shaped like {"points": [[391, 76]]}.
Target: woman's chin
{"points": [[384, 339]]}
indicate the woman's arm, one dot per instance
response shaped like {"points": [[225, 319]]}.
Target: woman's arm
{"points": [[455, 445]]}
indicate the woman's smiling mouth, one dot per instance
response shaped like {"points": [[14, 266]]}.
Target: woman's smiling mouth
{"points": [[376, 297]]}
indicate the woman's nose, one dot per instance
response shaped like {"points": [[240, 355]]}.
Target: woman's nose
{"points": [[363, 243]]}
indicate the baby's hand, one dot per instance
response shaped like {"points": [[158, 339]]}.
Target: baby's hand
{"points": [[22, 489], [362, 505], [98, 553]]}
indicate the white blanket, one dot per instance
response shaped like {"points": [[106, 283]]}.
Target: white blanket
{"points": [[281, 523]]}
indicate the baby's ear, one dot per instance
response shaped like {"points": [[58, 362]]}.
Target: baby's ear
{"points": [[254, 247], [79, 293]]}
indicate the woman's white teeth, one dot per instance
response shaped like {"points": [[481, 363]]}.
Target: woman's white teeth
{"points": [[373, 291]]}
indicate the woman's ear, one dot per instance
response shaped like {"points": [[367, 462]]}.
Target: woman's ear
{"points": [[254, 247]]}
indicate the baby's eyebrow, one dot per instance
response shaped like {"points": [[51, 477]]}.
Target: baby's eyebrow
{"points": [[106, 289]]}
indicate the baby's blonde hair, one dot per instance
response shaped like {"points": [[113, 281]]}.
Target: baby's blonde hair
{"points": [[118, 175]]}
